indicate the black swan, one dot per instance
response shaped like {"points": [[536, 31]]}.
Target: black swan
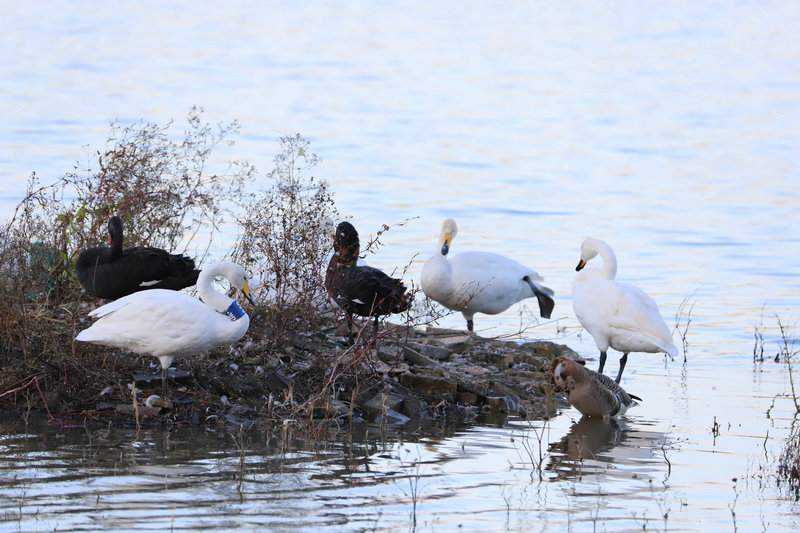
{"points": [[111, 272]]}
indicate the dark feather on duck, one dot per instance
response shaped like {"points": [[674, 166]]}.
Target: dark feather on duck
{"points": [[112, 272], [361, 290]]}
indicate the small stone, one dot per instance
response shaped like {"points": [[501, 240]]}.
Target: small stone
{"points": [[155, 401], [434, 352], [388, 354], [457, 343], [502, 360]]}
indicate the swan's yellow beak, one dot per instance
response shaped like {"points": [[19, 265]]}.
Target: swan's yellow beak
{"points": [[581, 264], [446, 239], [246, 291]]}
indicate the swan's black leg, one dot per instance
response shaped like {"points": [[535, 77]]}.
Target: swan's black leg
{"points": [[469, 325], [602, 362], [165, 382], [622, 361]]}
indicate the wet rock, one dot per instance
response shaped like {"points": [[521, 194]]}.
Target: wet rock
{"points": [[382, 402], [466, 398], [430, 351], [428, 385], [392, 417], [331, 409], [414, 357], [414, 407]]}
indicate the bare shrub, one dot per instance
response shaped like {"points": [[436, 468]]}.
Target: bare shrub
{"points": [[166, 195], [160, 187], [286, 232]]}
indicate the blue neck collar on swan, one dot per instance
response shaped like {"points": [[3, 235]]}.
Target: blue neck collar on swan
{"points": [[235, 311]]}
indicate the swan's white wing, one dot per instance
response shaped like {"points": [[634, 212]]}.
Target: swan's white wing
{"points": [[623, 312], [157, 322]]}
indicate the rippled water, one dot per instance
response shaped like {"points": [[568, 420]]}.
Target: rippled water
{"points": [[669, 130]]}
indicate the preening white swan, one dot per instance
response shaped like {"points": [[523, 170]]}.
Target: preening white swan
{"points": [[480, 282], [169, 324], [617, 315]]}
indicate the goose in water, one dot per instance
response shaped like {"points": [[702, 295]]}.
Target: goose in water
{"points": [[480, 282], [591, 393], [110, 272], [169, 324], [361, 290], [617, 315]]}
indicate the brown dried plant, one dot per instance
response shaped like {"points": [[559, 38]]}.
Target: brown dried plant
{"points": [[285, 238]]}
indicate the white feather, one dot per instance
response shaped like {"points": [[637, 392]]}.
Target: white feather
{"points": [[617, 315]]}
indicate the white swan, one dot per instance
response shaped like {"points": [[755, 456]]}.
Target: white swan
{"points": [[480, 282], [616, 314], [169, 324]]}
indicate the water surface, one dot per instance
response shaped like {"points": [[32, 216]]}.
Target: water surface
{"points": [[667, 129]]}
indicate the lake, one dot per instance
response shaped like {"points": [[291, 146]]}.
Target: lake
{"points": [[667, 129]]}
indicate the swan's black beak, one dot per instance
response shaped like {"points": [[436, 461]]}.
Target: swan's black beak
{"points": [[446, 244], [581, 264]]}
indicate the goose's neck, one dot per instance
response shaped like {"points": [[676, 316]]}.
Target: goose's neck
{"points": [[205, 288], [609, 269]]}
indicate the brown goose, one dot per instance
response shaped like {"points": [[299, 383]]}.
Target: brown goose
{"points": [[590, 392]]}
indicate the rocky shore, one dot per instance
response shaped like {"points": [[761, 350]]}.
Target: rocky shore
{"points": [[409, 374]]}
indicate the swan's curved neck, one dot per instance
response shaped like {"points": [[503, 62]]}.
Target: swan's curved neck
{"points": [[205, 288], [115, 234], [609, 270]]}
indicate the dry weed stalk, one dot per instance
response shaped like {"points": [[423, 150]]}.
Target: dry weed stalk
{"points": [[285, 238], [789, 461], [683, 319]]}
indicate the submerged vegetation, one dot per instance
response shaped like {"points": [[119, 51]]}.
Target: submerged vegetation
{"points": [[789, 461]]}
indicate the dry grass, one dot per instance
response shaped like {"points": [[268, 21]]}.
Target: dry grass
{"points": [[286, 368]]}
